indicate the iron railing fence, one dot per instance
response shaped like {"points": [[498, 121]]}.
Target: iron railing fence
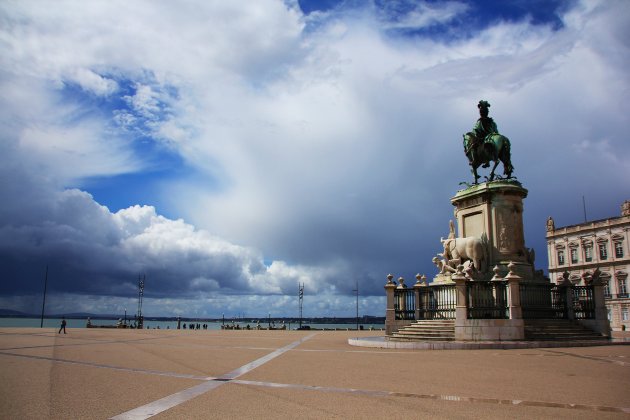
{"points": [[583, 302], [437, 302], [487, 300], [543, 301], [405, 303]]}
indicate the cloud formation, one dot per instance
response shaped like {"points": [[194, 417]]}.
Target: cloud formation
{"points": [[320, 148]]}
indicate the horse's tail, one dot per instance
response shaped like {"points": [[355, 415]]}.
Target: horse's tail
{"points": [[506, 157]]}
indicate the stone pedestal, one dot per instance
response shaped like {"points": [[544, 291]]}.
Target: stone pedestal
{"points": [[493, 211], [442, 279]]}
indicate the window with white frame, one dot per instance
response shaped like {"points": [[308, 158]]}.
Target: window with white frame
{"points": [[624, 314], [607, 290], [603, 252], [588, 253], [560, 257], [574, 256], [618, 249], [609, 315], [621, 287]]}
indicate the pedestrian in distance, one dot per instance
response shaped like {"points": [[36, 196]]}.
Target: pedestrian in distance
{"points": [[63, 326]]}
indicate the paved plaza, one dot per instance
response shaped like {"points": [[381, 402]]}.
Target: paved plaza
{"points": [[171, 374]]}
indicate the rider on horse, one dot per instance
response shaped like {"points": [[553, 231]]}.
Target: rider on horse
{"points": [[485, 145], [484, 127]]}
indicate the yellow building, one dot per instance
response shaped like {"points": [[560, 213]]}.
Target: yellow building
{"points": [[604, 244]]}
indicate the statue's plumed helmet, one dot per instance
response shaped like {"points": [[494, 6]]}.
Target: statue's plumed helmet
{"points": [[483, 104]]}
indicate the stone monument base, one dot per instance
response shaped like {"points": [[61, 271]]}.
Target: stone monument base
{"points": [[442, 279], [489, 329], [493, 211]]}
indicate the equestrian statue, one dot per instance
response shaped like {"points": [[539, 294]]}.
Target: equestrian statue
{"points": [[484, 145]]}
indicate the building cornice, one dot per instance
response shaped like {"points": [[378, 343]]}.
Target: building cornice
{"points": [[593, 226]]}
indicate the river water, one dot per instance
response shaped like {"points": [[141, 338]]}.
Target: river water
{"points": [[10, 322]]}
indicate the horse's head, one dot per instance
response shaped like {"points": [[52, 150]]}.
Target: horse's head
{"points": [[469, 143], [469, 140]]}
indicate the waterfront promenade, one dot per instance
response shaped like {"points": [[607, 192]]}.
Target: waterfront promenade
{"points": [[177, 374]]}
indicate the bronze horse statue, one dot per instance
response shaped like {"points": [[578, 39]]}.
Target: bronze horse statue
{"points": [[495, 148]]}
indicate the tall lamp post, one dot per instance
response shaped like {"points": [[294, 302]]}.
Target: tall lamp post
{"points": [[41, 325], [357, 293]]}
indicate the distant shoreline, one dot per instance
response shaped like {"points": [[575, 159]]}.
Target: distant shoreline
{"points": [[184, 323], [311, 320]]}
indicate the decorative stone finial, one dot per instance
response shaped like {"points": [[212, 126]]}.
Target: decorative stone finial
{"points": [[511, 275], [420, 280], [390, 279], [401, 283], [597, 279], [497, 276]]}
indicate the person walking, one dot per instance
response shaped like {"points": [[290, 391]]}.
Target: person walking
{"points": [[63, 326]]}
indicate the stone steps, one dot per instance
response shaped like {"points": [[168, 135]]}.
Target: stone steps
{"points": [[426, 330], [535, 330], [558, 330]]}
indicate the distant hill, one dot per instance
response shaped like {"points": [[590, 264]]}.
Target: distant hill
{"points": [[18, 314], [10, 312]]}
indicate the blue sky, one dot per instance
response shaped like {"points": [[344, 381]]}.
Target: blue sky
{"points": [[232, 150]]}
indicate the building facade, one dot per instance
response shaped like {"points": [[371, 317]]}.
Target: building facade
{"points": [[602, 244]]}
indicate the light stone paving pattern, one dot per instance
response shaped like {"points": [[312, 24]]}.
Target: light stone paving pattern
{"points": [[170, 374]]}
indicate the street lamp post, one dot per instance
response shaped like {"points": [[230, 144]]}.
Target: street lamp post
{"points": [[357, 292], [41, 325]]}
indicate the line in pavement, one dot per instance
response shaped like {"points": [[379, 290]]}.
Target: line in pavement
{"points": [[374, 393], [596, 358], [151, 409], [111, 367]]}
